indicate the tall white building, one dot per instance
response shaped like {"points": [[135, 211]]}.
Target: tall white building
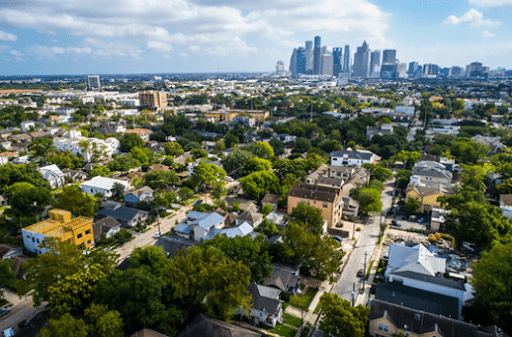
{"points": [[327, 64], [93, 82]]}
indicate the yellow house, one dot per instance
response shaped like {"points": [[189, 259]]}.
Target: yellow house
{"points": [[427, 195], [62, 226]]}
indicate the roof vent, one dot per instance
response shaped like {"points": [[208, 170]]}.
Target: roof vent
{"points": [[406, 326], [417, 316], [393, 294]]}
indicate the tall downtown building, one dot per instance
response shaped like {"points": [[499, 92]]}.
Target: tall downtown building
{"points": [[309, 57], [361, 58], [317, 56], [337, 54], [389, 56], [346, 59], [298, 61], [374, 63]]}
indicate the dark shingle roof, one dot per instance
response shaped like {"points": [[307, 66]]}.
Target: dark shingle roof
{"points": [[172, 244], [206, 326], [282, 276], [394, 292], [262, 302], [320, 193], [352, 154], [420, 322], [432, 279], [122, 213]]}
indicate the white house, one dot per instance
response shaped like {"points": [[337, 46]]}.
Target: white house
{"points": [[54, 175], [506, 205], [26, 126], [266, 305], [352, 158], [105, 148], [102, 185]]}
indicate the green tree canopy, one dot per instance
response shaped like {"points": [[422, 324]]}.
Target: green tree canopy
{"points": [[208, 173], [369, 199], [26, 199], [256, 164], [74, 200], [230, 140], [41, 146], [11, 174], [100, 170], [340, 319], [129, 141], [161, 179], [259, 183], [309, 217], [236, 159], [262, 150], [173, 149]]}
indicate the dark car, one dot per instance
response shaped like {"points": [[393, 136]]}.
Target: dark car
{"points": [[198, 202], [395, 223], [360, 273], [337, 238], [23, 323]]}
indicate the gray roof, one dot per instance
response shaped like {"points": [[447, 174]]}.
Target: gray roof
{"points": [[432, 279], [210, 220], [265, 298], [206, 326], [394, 292], [282, 276], [420, 322], [182, 228], [122, 213], [172, 243], [140, 191], [352, 154]]}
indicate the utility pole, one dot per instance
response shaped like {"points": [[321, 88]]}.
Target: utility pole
{"points": [[364, 271], [353, 294], [159, 230]]}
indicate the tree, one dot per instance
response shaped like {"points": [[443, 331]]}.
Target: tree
{"points": [[369, 199], [412, 205], [129, 141], [408, 157], [41, 146], [75, 201], [173, 149], [268, 228], [123, 163], [7, 275], [205, 275], [468, 151], [162, 199], [236, 159], [100, 170], [301, 145], [118, 191], [230, 140], [185, 193], [26, 199], [259, 183], [309, 217], [11, 174], [161, 179], [250, 252], [67, 325], [505, 187], [378, 172], [262, 150], [138, 154], [256, 164], [277, 145], [340, 319], [321, 255], [159, 136], [103, 322], [61, 259], [266, 209], [208, 174], [153, 257]]}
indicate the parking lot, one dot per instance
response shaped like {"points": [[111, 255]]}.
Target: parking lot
{"points": [[407, 224]]}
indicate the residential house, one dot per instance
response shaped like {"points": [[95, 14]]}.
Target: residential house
{"points": [[285, 138], [437, 220], [206, 326], [21, 160], [272, 200], [266, 305], [285, 277], [429, 172], [143, 194], [75, 144], [142, 133], [427, 195], [418, 268], [3, 160], [494, 144], [327, 199], [127, 216], [506, 204], [146, 332], [62, 226], [171, 244], [76, 176], [27, 126], [201, 223], [242, 230], [252, 218], [3, 200], [53, 175], [106, 228], [353, 158], [388, 319], [102, 185], [109, 127], [383, 130], [277, 219], [449, 164]]}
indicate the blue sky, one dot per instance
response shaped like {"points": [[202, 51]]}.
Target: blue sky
{"points": [[43, 37]]}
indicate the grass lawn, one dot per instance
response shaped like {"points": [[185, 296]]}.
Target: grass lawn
{"points": [[292, 320], [284, 330], [302, 301], [317, 309]]}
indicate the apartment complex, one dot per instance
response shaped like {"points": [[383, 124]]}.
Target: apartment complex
{"points": [[229, 116], [60, 225], [327, 199], [153, 99]]}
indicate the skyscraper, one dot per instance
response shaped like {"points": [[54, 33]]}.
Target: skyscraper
{"points": [[346, 60], [327, 64], [337, 54], [414, 70], [93, 82], [374, 63], [298, 61], [309, 57], [317, 55], [293, 58], [279, 67], [361, 58], [389, 56]]}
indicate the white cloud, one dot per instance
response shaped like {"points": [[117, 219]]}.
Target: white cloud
{"points": [[182, 54], [471, 17], [4, 36], [159, 46], [491, 3], [194, 48], [15, 53], [487, 33]]}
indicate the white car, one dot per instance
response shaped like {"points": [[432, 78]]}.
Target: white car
{"points": [[9, 332], [157, 235], [4, 311]]}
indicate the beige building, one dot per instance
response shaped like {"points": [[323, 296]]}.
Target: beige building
{"points": [[153, 99], [327, 199], [219, 116]]}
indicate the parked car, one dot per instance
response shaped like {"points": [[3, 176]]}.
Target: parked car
{"points": [[360, 273], [198, 202], [420, 220], [22, 323], [395, 223], [157, 235], [4, 311], [9, 332], [337, 238]]}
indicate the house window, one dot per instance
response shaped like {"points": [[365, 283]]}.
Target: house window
{"points": [[79, 236], [33, 240], [383, 327], [88, 231], [324, 205], [89, 242], [37, 241]]}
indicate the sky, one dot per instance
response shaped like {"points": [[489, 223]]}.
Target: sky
{"points": [[52, 37]]}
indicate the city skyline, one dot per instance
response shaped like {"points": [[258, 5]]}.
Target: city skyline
{"points": [[50, 37]]}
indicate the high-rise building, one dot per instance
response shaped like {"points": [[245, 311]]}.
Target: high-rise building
{"points": [[346, 59], [389, 56], [153, 99], [476, 69], [93, 82], [317, 56], [337, 54], [430, 69], [414, 70], [456, 71], [298, 61], [327, 64], [309, 57], [375, 63], [361, 58], [279, 67]]}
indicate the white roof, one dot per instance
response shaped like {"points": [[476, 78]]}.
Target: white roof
{"points": [[104, 183], [415, 259], [53, 168]]}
